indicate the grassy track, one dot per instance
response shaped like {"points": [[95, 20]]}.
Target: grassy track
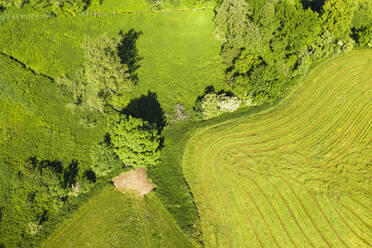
{"points": [[114, 219], [298, 175]]}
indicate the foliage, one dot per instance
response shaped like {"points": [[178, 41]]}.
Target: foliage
{"points": [[104, 80], [364, 35], [268, 45], [35, 123], [173, 71], [213, 104], [136, 142], [337, 16], [104, 160]]}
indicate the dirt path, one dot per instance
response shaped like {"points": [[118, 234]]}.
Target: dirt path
{"points": [[134, 181]]}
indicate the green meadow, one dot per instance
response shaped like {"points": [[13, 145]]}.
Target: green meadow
{"points": [[46, 49], [296, 175], [114, 219], [180, 56], [291, 171]]}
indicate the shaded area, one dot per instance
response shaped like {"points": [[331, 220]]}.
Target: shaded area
{"points": [[67, 175], [128, 52], [147, 108], [314, 5], [70, 174], [53, 165], [90, 175], [210, 89]]}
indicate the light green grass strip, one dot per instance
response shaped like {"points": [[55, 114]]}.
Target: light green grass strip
{"points": [[114, 219]]}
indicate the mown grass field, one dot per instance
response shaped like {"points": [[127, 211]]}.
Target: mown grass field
{"points": [[114, 219], [297, 175]]}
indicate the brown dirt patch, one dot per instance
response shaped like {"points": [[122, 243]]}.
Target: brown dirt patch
{"points": [[134, 181]]}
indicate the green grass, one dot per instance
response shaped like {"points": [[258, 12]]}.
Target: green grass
{"points": [[180, 53], [296, 175], [114, 219], [34, 119], [34, 122], [180, 58]]}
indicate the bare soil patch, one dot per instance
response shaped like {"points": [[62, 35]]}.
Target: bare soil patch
{"points": [[134, 181]]}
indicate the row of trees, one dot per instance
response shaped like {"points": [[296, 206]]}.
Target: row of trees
{"points": [[103, 85], [65, 7], [268, 44]]}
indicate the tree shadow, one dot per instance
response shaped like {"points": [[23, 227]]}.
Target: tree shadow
{"points": [[128, 52], [70, 174], [148, 109], [314, 5], [54, 165], [210, 89], [90, 175]]}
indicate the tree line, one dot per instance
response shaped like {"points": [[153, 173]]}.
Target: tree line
{"points": [[267, 45]]}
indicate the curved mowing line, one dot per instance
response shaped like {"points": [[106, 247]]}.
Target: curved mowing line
{"points": [[251, 198], [359, 203], [281, 136], [347, 224], [307, 213], [354, 214], [273, 209], [322, 212], [285, 203], [314, 129]]}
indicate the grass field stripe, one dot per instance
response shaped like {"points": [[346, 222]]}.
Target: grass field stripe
{"points": [[321, 211], [273, 209], [289, 209], [223, 216], [291, 212], [322, 126], [348, 226], [355, 214], [307, 213], [253, 228], [360, 203]]}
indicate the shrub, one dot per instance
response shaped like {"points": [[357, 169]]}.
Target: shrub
{"points": [[364, 35], [104, 160], [213, 105], [136, 142]]}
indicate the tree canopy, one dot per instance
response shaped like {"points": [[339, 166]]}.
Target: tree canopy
{"points": [[104, 80], [136, 142], [268, 45]]}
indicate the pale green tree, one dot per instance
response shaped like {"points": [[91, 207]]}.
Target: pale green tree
{"points": [[136, 142]]}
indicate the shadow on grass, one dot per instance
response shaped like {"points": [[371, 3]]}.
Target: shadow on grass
{"points": [[128, 52], [314, 5], [210, 89], [148, 109]]}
